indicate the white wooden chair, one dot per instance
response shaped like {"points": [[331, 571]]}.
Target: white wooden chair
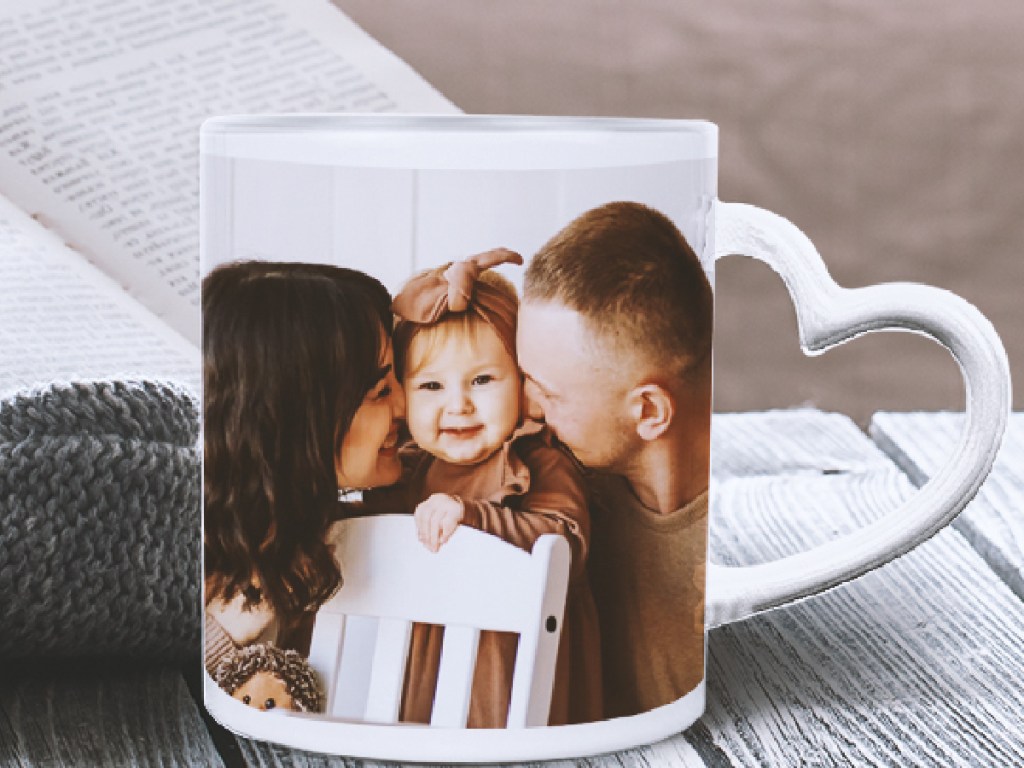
{"points": [[476, 581]]}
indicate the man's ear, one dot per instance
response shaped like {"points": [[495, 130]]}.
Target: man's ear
{"points": [[652, 408]]}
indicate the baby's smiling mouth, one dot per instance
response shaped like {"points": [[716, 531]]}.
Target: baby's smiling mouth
{"points": [[461, 432]]}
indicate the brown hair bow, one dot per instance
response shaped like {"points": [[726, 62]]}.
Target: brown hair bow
{"points": [[454, 288]]}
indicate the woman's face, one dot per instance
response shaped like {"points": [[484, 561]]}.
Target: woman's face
{"points": [[369, 451]]}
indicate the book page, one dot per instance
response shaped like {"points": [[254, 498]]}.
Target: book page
{"points": [[101, 103], [62, 319]]}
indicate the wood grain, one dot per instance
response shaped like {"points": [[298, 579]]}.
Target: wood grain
{"points": [[801, 442], [916, 663], [992, 523], [88, 713]]}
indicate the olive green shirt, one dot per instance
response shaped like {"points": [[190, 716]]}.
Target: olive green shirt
{"points": [[647, 575]]}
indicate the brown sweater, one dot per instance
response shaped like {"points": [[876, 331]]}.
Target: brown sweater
{"points": [[523, 491], [217, 642], [228, 626], [647, 574]]}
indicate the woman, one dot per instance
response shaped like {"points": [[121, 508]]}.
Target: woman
{"points": [[300, 403]]}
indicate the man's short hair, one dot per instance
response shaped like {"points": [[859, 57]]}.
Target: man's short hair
{"points": [[629, 272]]}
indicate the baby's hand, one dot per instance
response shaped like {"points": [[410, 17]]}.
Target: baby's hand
{"points": [[437, 518]]}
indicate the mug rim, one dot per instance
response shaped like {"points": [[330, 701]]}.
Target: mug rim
{"points": [[481, 123], [476, 746], [459, 142]]}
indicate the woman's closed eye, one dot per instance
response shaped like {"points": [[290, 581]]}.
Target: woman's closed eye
{"points": [[383, 393]]}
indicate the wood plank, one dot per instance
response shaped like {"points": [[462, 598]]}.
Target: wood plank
{"points": [[77, 713], [992, 523], [916, 663], [789, 443]]}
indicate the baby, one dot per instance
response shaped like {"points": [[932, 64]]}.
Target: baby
{"points": [[476, 462]]}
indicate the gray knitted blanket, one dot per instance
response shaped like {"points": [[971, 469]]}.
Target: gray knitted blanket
{"points": [[99, 521]]}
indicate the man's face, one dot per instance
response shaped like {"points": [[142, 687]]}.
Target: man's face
{"points": [[578, 390]]}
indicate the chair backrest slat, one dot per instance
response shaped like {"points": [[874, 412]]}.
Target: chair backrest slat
{"points": [[384, 699], [354, 671], [455, 677], [325, 652]]}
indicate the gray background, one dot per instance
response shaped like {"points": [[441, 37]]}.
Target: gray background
{"points": [[892, 133]]}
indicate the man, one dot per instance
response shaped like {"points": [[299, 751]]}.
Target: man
{"points": [[614, 339]]}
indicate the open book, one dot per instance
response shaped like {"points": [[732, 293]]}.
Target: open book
{"points": [[100, 107]]}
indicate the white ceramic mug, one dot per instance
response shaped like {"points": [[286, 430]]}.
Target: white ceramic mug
{"points": [[392, 195]]}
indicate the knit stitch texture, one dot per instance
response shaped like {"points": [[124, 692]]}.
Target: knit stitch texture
{"points": [[99, 521]]}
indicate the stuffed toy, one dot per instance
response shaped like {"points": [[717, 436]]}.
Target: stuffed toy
{"points": [[265, 677]]}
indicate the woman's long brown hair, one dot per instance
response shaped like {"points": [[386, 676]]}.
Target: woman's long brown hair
{"points": [[289, 353]]}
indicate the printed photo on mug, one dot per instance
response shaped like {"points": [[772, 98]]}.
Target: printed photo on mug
{"points": [[457, 418], [456, 430]]}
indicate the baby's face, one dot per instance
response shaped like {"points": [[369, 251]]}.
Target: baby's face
{"points": [[462, 404]]}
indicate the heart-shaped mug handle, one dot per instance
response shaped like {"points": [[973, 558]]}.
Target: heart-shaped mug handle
{"points": [[828, 315]]}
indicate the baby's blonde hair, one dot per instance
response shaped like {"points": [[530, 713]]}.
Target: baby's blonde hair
{"points": [[463, 326]]}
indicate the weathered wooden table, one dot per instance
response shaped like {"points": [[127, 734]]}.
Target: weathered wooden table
{"points": [[919, 663]]}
